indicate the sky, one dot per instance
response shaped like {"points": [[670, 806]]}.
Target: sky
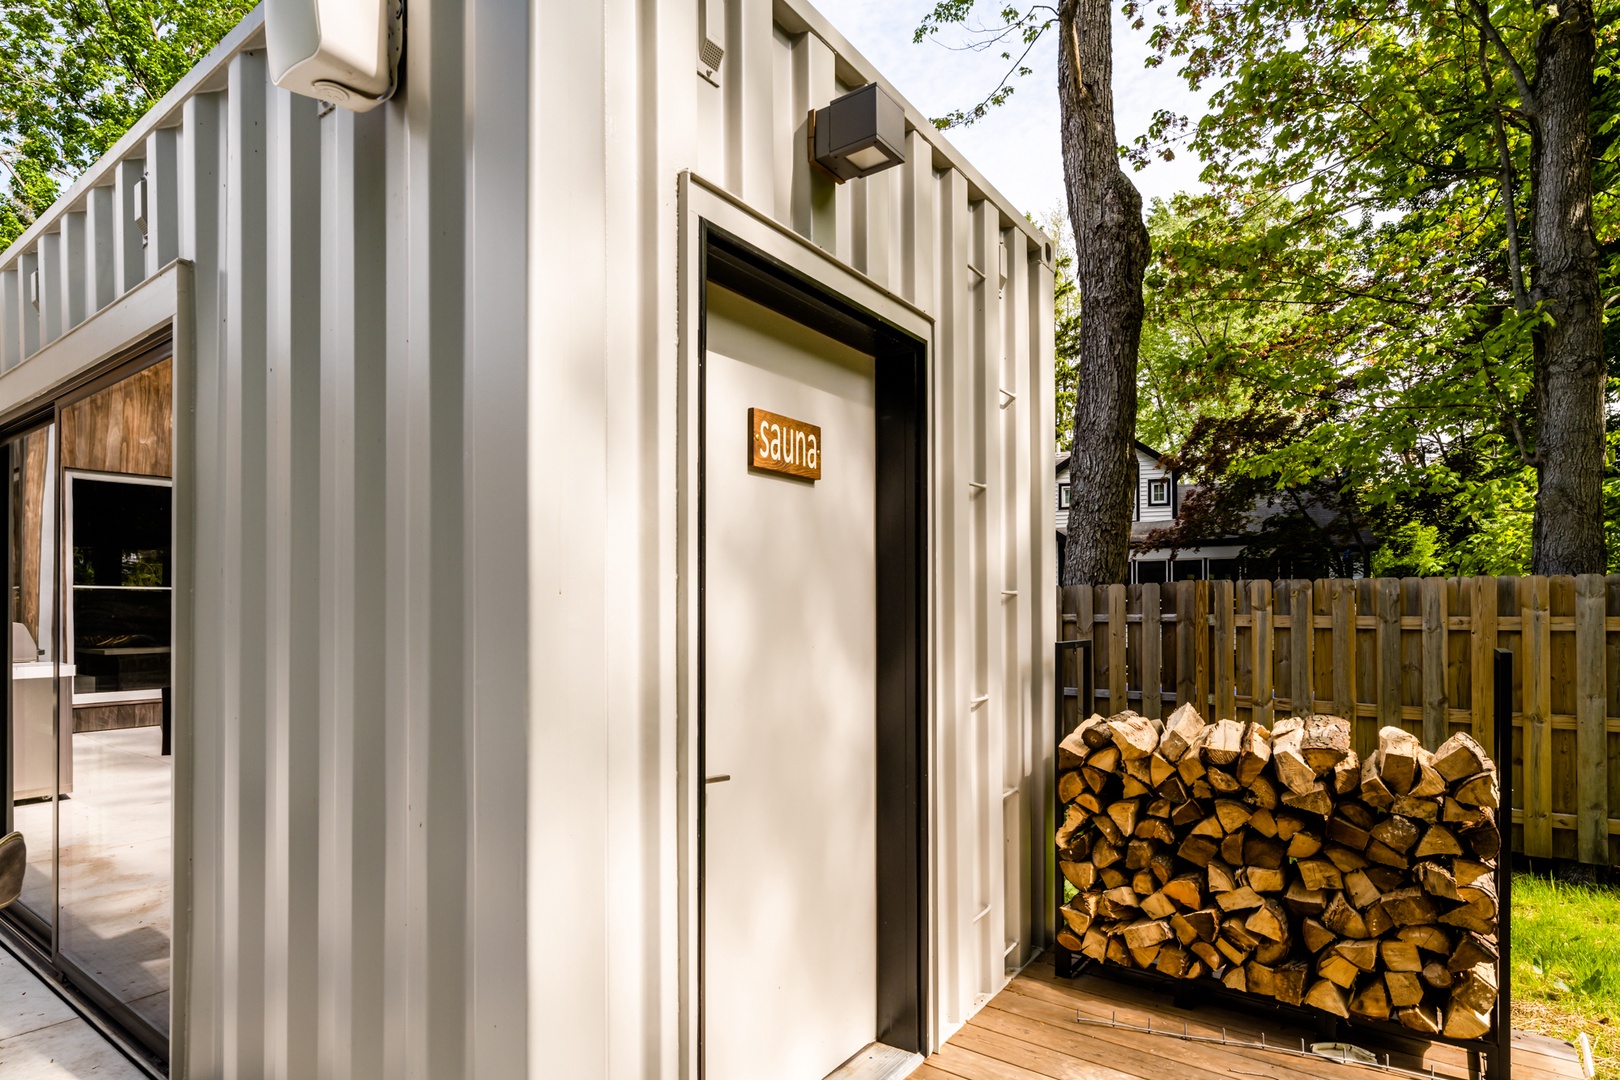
{"points": [[1016, 147]]}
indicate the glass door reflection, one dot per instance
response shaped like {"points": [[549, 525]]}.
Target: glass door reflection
{"points": [[41, 761]]}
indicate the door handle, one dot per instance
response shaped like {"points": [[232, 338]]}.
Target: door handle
{"points": [[722, 778]]}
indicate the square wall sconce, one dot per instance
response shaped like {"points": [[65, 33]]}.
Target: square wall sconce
{"points": [[861, 133]]}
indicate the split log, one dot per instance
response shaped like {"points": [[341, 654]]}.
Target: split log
{"points": [[1135, 736], [1304, 844], [1075, 745], [1342, 830], [1343, 919], [1437, 975], [1124, 814], [1397, 759], [1414, 807], [1158, 906], [1373, 791], [1363, 893], [1315, 800], [1240, 899], [1337, 970], [1288, 982], [1465, 1023], [1421, 1018], [1437, 841], [1460, 757], [1472, 950], [1397, 833], [1429, 783], [1329, 998], [1232, 848], [1409, 907], [1400, 956], [1371, 1002], [1269, 921], [1481, 790], [1429, 939], [1146, 933], [1179, 732], [1315, 935], [1327, 742], [1288, 758], [1222, 782], [1264, 879], [1232, 814], [1222, 878], [1363, 954], [1254, 753], [1305, 901], [1404, 988], [1437, 881], [1319, 874], [1222, 743], [1264, 852], [1347, 775], [1186, 890], [1082, 875], [1070, 786]]}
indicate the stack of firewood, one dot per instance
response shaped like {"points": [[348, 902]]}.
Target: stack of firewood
{"points": [[1277, 862]]}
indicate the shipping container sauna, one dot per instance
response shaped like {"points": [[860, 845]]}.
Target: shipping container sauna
{"points": [[545, 575]]}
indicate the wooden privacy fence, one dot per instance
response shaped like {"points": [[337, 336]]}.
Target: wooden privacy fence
{"points": [[1416, 652]]}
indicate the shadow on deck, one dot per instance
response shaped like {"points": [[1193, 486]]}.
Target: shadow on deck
{"points": [[1030, 1031]]}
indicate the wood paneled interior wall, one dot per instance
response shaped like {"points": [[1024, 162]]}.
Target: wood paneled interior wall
{"points": [[1411, 652], [126, 428], [32, 473]]}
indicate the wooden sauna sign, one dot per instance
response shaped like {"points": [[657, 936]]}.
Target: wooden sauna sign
{"points": [[781, 444]]}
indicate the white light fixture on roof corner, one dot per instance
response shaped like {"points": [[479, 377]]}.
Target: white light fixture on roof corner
{"points": [[342, 51]]}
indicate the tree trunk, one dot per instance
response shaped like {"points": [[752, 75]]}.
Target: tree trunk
{"points": [[1569, 367], [1111, 254]]}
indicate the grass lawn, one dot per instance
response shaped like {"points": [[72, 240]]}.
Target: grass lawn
{"points": [[1566, 963]]}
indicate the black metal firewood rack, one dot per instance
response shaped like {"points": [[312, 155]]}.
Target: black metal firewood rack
{"points": [[1489, 1057]]}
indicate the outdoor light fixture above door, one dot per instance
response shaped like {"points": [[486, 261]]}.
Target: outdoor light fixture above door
{"points": [[861, 133]]}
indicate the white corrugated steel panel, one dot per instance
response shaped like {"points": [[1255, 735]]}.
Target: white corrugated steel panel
{"points": [[427, 445]]}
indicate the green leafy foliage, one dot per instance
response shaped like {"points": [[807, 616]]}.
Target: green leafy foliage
{"points": [[75, 74], [1342, 297]]}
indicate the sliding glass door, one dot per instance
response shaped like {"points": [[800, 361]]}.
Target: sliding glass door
{"points": [[90, 772]]}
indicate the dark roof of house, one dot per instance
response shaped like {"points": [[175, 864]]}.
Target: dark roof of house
{"points": [[1062, 459]]}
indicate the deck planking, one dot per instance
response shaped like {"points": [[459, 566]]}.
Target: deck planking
{"points": [[1029, 1032]]}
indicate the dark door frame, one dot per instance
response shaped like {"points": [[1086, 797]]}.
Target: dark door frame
{"points": [[901, 391]]}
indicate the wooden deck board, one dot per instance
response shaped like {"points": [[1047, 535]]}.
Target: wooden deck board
{"points": [[1029, 1031]]}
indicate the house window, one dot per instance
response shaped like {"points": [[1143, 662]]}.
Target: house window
{"points": [[1063, 496], [1158, 493]]}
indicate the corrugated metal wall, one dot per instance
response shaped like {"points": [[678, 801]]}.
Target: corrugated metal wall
{"points": [[429, 506]]}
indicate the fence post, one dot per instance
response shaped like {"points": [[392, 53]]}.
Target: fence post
{"points": [[1119, 671], [1388, 596], [1436, 719], [1482, 643], [1344, 661], [1536, 637], [1302, 641], [1152, 653], [1264, 662], [1591, 720], [1225, 649]]}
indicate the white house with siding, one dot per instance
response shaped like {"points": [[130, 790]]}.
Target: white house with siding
{"points": [[1156, 504]]}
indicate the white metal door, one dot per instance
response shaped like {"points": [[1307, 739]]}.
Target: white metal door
{"points": [[790, 980]]}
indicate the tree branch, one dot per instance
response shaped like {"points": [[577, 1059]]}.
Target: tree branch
{"points": [[1527, 99], [1510, 213]]}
